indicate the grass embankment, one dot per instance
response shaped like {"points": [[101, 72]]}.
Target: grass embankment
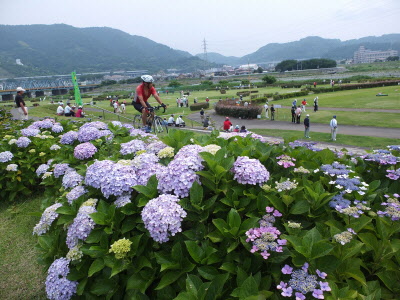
{"points": [[21, 277], [350, 140]]}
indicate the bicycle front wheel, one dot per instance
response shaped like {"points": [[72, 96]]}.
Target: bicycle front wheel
{"points": [[159, 126]]}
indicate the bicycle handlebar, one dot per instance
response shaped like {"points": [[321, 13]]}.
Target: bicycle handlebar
{"points": [[153, 108]]}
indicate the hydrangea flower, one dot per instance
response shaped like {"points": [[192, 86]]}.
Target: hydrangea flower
{"points": [[354, 211], [69, 137], [344, 237], [30, 132], [6, 156], [117, 123], [132, 147], [122, 200], [339, 201], [61, 169], [74, 254], [75, 193], [84, 151], [97, 172], [82, 225], [57, 128], [303, 283], [180, 174], [12, 141], [58, 287], [394, 147], [286, 185], [12, 167], [97, 124], [309, 145], [167, 152], [121, 248], [162, 217], [212, 148], [301, 169], [266, 237], [71, 179], [55, 147], [294, 225], [23, 142], [249, 171], [145, 166], [286, 161], [47, 218], [228, 135], [381, 158], [155, 147], [393, 174], [45, 124], [88, 134], [392, 207], [42, 169], [335, 169]]}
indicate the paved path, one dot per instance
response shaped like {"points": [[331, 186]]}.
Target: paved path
{"points": [[393, 133], [310, 109]]}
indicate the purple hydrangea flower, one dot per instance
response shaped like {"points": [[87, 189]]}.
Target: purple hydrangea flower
{"points": [[117, 123], [6, 156], [97, 124], [339, 201], [129, 126], [46, 123], [58, 287], [394, 147], [82, 225], [97, 172], [322, 274], [30, 132], [392, 208], [47, 218], [42, 169], [249, 171], [287, 269], [145, 166], [85, 151], [309, 145], [155, 147], [393, 174], [88, 134], [60, 169], [23, 142], [335, 169], [180, 174], [75, 193], [162, 217], [69, 137], [286, 161], [57, 128], [122, 200], [381, 158], [132, 147], [71, 179], [107, 133]]}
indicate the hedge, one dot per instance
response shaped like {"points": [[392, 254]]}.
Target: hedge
{"points": [[356, 86], [225, 108], [199, 106], [290, 95]]}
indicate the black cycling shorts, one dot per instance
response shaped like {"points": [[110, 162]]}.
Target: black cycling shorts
{"points": [[138, 106]]}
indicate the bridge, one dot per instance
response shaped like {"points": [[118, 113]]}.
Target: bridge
{"points": [[39, 88]]}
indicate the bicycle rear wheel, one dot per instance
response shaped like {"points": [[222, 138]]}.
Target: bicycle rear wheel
{"points": [[137, 122], [159, 126]]}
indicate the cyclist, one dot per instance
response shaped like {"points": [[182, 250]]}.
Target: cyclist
{"points": [[143, 93]]}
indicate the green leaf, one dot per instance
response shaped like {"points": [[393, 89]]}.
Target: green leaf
{"points": [[216, 286], [287, 199], [119, 266], [128, 224], [168, 278], [99, 218], [248, 288], [66, 210], [221, 225], [102, 286], [193, 283], [230, 267], [234, 220], [300, 207], [351, 249], [207, 272], [196, 194], [320, 249], [312, 236], [194, 250], [96, 266]]}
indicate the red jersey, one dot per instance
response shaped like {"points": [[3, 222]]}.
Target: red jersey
{"points": [[227, 124], [140, 92]]}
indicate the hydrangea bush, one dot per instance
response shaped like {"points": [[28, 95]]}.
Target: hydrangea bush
{"points": [[189, 216]]}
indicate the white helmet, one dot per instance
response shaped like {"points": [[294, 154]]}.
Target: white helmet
{"points": [[147, 78]]}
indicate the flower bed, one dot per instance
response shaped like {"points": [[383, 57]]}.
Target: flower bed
{"points": [[225, 216]]}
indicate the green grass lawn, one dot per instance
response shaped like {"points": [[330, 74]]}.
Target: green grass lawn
{"points": [[21, 277], [351, 140]]}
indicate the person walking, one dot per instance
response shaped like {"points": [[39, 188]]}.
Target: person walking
{"points": [[316, 104], [202, 114], [303, 105], [272, 112], [19, 102], [266, 109], [307, 127], [298, 115], [333, 125]]}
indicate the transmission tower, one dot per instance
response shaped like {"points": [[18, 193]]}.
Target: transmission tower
{"points": [[205, 55]]}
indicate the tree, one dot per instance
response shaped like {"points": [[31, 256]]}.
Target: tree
{"points": [[174, 83], [223, 82], [206, 82], [269, 79], [259, 70], [392, 58], [245, 81]]}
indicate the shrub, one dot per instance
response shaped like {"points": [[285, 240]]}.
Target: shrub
{"points": [[228, 108], [199, 106], [269, 79], [222, 91], [290, 95]]}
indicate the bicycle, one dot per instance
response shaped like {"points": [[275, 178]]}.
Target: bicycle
{"points": [[156, 123]]}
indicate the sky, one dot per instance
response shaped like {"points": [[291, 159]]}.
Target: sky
{"points": [[229, 27]]}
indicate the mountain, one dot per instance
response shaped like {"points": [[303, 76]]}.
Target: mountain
{"points": [[60, 49], [220, 59], [311, 47]]}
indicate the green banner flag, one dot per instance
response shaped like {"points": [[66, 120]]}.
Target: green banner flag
{"points": [[77, 93]]}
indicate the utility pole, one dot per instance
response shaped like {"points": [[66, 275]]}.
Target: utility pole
{"points": [[205, 55]]}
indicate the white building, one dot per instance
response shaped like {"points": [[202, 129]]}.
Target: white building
{"points": [[367, 56]]}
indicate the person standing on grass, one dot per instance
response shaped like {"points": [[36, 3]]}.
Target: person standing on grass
{"points": [[19, 102], [298, 115], [307, 127], [293, 111], [333, 125], [123, 108], [272, 112], [266, 110], [316, 104], [303, 105]]}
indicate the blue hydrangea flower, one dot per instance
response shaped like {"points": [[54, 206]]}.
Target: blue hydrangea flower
{"points": [[84, 151], [58, 287], [30, 132], [6, 156], [47, 218], [42, 169], [71, 179], [75, 193], [122, 200], [88, 134], [60, 169], [249, 171], [69, 137], [162, 217], [132, 147], [23, 142], [57, 128]]}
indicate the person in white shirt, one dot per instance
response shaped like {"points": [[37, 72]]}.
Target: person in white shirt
{"points": [[246, 104], [171, 120], [67, 110], [179, 122], [123, 107], [333, 125], [60, 109], [266, 110]]}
